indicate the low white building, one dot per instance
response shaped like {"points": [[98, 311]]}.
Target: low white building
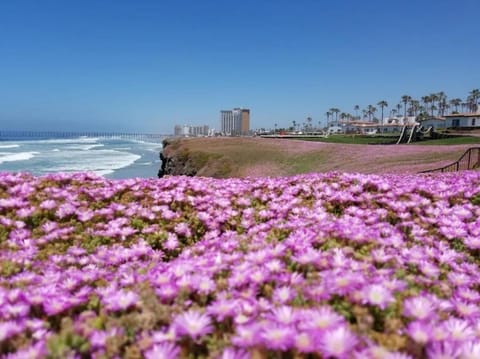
{"points": [[401, 120], [454, 121], [463, 120], [437, 123]]}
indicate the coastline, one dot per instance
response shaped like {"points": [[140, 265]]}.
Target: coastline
{"points": [[111, 158], [224, 157]]}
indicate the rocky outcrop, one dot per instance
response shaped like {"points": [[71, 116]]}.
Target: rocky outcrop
{"points": [[178, 160], [174, 162], [176, 165]]}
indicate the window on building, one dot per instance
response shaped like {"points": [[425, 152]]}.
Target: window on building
{"points": [[473, 121]]}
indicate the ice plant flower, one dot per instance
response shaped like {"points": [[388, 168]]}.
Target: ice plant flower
{"points": [[163, 351], [337, 342], [193, 324], [419, 307], [240, 267], [277, 337], [120, 300], [419, 332], [377, 294]]}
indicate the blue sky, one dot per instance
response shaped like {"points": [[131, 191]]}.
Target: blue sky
{"points": [[148, 65]]}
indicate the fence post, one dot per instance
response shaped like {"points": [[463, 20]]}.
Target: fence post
{"points": [[469, 152]]}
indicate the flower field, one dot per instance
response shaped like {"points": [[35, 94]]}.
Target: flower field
{"points": [[332, 265]]}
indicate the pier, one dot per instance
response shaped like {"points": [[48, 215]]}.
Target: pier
{"points": [[15, 135]]}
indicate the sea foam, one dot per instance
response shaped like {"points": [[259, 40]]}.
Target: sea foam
{"points": [[13, 157], [101, 162]]}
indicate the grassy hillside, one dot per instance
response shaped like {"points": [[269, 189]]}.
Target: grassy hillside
{"points": [[241, 157]]}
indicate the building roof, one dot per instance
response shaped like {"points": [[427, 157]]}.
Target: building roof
{"points": [[465, 114]]}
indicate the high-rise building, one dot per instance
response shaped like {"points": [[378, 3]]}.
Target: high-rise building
{"points": [[235, 122]]}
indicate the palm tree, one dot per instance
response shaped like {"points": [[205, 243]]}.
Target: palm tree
{"points": [[414, 106], [294, 125], [433, 98], [370, 111], [475, 95], [405, 100], [356, 108], [442, 103], [382, 105], [455, 102], [276, 128], [309, 120], [335, 111], [426, 100], [328, 113], [399, 107]]}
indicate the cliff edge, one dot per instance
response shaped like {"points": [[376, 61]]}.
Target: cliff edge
{"points": [[223, 157], [179, 160]]}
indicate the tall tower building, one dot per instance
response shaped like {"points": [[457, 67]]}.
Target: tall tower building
{"points": [[245, 121], [235, 122]]}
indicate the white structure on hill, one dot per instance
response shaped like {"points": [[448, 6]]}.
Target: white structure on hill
{"points": [[192, 131]]}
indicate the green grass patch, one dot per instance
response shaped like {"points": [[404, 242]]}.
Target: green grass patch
{"points": [[353, 139], [457, 140]]}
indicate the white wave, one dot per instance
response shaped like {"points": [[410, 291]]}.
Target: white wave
{"points": [[14, 157], [56, 150], [9, 146], [84, 147], [81, 140], [153, 145], [101, 162]]}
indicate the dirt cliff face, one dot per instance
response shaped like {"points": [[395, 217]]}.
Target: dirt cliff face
{"points": [[176, 164], [178, 160]]}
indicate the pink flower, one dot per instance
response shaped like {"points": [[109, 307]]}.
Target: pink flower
{"points": [[120, 300], [470, 350], [222, 308], [458, 329], [284, 315], [320, 319], [9, 329], [305, 342], [230, 353], [172, 242], [48, 204], [283, 294], [193, 323], [443, 350], [277, 337], [419, 332], [56, 305], [419, 307], [337, 342], [378, 295], [163, 351], [246, 335]]}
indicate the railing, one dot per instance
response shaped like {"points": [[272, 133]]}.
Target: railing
{"points": [[402, 134], [468, 161]]}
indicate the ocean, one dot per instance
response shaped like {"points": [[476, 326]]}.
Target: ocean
{"points": [[111, 158]]}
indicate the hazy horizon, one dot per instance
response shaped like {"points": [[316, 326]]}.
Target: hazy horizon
{"points": [[144, 67]]}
